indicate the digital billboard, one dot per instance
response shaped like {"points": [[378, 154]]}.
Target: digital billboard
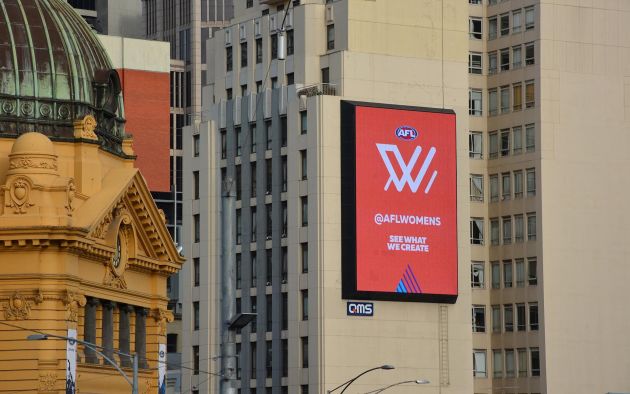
{"points": [[399, 203]]}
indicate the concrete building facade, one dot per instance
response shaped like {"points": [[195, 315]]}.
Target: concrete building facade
{"points": [[274, 127], [545, 245]]}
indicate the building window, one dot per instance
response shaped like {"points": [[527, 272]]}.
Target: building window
{"points": [[197, 227], [479, 318], [253, 220], [506, 186], [516, 21], [496, 274], [330, 37], [505, 99], [304, 304], [171, 343], [239, 142], [476, 231], [239, 227], [476, 187], [493, 102], [290, 42], [474, 102], [268, 313], [228, 93], [303, 122], [195, 185], [285, 174], [239, 271], [492, 28], [505, 142], [303, 164], [196, 315], [285, 316], [494, 231], [223, 144], [268, 134], [517, 58], [517, 140], [475, 28], [475, 145], [530, 138], [249, 3], [522, 362], [274, 46], [304, 250], [254, 307], [508, 317], [290, 79], [269, 229], [474, 63], [530, 57], [196, 145], [533, 316], [228, 59], [492, 62], [535, 361], [507, 230], [252, 188], [509, 363], [505, 24], [496, 318], [252, 359], [252, 137], [304, 203], [521, 325], [507, 274], [268, 176], [518, 184], [259, 52], [268, 357], [243, 54], [531, 182], [325, 75], [196, 271], [529, 18], [474, 1], [497, 363], [477, 275], [253, 269], [518, 228], [479, 363], [505, 59], [304, 341], [285, 264], [532, 276], [285, 222], [195, 360], [531, 226], [530, 96], [494, 188]]}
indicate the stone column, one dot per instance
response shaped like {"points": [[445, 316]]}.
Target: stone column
{"points": [[124, 335], [89, 329], [141, 336], [108, 328]]}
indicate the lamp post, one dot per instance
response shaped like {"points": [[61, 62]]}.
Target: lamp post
{"points": [[349, 382], [418, 381], [94, 347]]}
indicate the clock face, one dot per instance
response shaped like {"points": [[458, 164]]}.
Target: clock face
{"points": [[117, 254]]}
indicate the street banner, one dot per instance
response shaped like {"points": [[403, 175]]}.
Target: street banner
{"points": [[162, 369], [71, 362]]}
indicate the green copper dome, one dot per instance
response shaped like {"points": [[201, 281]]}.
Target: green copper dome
{"points": [[54, 71]]}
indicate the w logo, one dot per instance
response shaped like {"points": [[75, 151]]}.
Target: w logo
{"points": [[407, 168]]}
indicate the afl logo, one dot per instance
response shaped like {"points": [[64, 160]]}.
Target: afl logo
{"points": [[406, 133]]}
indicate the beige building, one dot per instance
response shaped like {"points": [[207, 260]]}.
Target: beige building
{"points": [[546, 243]]}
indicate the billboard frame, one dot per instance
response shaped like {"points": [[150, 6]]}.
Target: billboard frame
{"points": [[347, 133]]}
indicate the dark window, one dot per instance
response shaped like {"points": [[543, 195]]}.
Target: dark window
{"points": [[238, 181], [195, 360], [249, 3], [197, 227], [269, 221], [330, 37], [228, 59], [269, 176], [259, 51], [304, 247], [290, 79], [228, 94], [196, 145], [171, 343], [223, 144], [269, 269], [252, 137], [196, 315], [253, 179], [304, 304], [269, 313], [304, 201], [304, 164], [283, 130], [284, 173], [290, 42], [268, 359], [196, 269], [239, 271], [285, 358], [303, 122], [304, 352], [285, 312], [268, 135], [285, 224], [244, 54], [274, 46], [325, 75], [195, 185]]}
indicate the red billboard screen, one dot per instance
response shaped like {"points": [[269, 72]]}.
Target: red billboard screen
{"points": [[399, 216]]}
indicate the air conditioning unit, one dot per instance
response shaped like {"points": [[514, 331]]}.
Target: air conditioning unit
{"points": [[228, 36]]}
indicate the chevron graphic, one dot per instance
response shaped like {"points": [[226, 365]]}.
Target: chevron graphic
{"points": [[408, 283]]}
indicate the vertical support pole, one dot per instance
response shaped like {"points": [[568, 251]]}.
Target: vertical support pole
{"points": [[228, 300], [134, 388]]}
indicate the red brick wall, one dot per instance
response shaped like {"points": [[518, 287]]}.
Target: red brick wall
{"points": [[147, 105]]}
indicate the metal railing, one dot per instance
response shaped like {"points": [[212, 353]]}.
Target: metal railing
{"points": [[318, 89]]}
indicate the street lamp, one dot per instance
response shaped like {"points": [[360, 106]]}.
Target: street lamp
{"points": [[94, 347], [349, 382], [418, 381]]}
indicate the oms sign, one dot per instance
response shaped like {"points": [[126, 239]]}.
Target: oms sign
{"points": [[399, 214]]}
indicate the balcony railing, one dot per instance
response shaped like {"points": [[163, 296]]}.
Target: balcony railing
{"points": [[319, 89]]}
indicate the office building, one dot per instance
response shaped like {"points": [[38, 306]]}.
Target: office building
{"points": [[545, 130]]}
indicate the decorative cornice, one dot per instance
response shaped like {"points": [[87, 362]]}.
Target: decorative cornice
{"points": [[73, 301], [162, 317]]}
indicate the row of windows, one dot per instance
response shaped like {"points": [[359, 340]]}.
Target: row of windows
{"points": [[507, 317], [500, 25], [475, 99], [500, 60], [477, 185], [509, 363], [254, 262], [507, 141], [477, 229], [513, 275]]}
